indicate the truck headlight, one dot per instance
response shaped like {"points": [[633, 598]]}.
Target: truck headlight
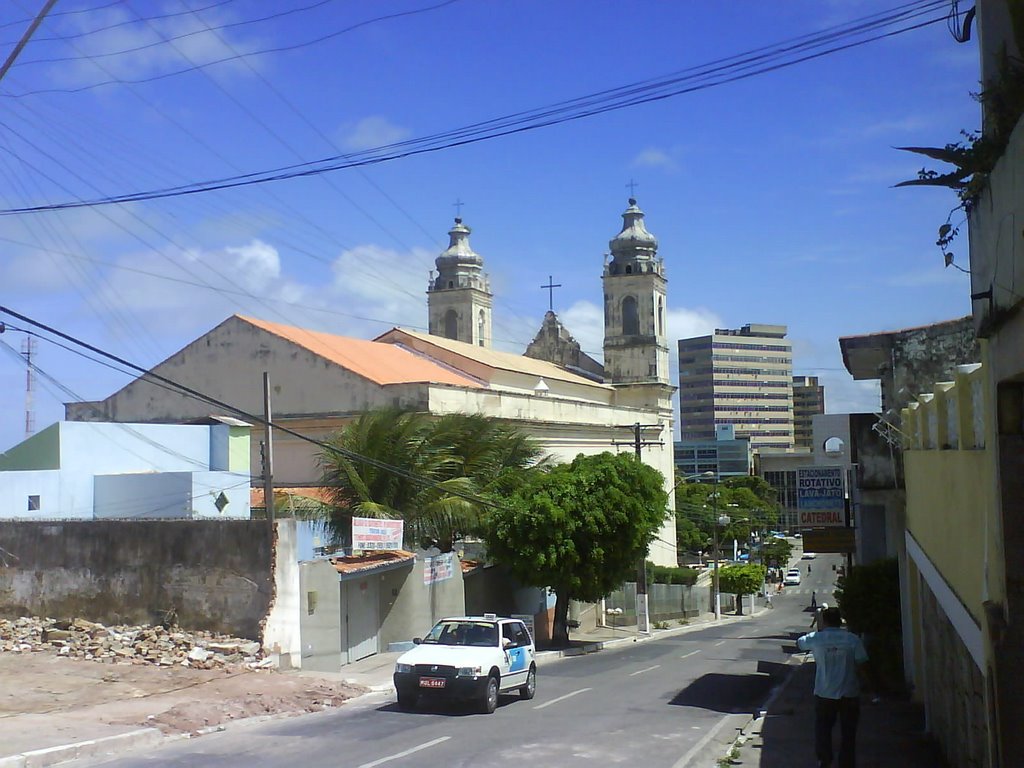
{"points": [[469, 671], [400, 668]]}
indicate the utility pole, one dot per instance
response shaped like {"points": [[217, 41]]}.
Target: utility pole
{"points": [[28, 351], [26, 37], [268, 456], [643, 616]]}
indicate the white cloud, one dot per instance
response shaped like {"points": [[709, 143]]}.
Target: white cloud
{"points": [[653, 157], [685, 323], [585, 321], [130, 48], [372, 131], [257, 264]]}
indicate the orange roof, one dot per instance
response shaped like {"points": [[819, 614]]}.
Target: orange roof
{"points": [[492, 358], [380, 363], [369, 561], [319, 493]]}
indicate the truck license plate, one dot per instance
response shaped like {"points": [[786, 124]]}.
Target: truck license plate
{"points": [[431, 682]]}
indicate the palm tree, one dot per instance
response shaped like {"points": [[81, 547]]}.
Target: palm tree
{"points": [[438, 475]]}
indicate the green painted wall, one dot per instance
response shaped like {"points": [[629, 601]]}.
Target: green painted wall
{"points": [[41, 451], [238, 449]]}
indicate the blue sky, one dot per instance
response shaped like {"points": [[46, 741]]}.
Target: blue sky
{"points": [[771, 197]]}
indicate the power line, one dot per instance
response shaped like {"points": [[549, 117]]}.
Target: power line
{"points": [[643, 92], [227, 59]]}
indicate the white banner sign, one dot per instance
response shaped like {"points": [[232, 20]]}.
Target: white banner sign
{"points": [[438, 568], [368, 533], [821, 497]]}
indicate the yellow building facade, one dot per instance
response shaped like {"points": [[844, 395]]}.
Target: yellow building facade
{"points": [[954, 561]]}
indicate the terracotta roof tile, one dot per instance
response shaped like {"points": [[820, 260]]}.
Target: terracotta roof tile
{"points": [[318, 493], [380, 363], [505, 361], [369, 561]]}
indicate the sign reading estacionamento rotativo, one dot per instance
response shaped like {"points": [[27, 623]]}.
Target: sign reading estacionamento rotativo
{"points": [[820, 497]]}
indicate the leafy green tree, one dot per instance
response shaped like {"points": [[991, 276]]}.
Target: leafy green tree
{"points": [[775, 552], [438, 475], [741, 580], [580, 528], [749, 503]]}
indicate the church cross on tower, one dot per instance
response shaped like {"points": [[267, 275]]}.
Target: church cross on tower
{"points": [[632, 188], [551, 293], [458, 207]]}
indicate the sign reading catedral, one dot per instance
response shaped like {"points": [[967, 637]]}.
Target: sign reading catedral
{"points": [[821, 497]]}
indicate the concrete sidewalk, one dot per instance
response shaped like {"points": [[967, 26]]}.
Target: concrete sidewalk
{"points": [[890, 734]]}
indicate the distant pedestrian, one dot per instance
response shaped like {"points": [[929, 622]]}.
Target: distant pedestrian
{"points": [[814, 599], [837, 657], [768, 599]]}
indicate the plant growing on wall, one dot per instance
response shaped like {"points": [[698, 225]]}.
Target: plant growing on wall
{"points": [[976, 154]]}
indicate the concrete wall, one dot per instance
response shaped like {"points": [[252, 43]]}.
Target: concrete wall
{"points": [[62, 495], [320, 616], [213, 575], [409, 608], [281, 630], [158, 496], [953, 689]]}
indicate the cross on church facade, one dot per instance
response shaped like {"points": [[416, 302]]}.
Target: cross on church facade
{"points": [[551, 293]]}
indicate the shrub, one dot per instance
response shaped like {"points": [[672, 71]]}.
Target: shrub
{"points": [[869, 598], [664, 574]]}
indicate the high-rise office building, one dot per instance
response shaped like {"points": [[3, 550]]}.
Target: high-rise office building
{"points": [[808, 401], [742, 377]]}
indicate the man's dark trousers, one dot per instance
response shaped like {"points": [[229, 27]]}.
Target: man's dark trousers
{"points": [[825, 713]]}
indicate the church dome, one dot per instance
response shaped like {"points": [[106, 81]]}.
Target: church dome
{"points": [[458, 251], [634, 241]]}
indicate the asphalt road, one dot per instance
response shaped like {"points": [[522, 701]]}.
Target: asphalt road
{"points": [[669, 702]]}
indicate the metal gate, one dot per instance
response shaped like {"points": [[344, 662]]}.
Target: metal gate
{"points": [[360, 618]]}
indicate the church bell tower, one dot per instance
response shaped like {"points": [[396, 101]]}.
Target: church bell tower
{"points": [[459, 297], [635, 337]]}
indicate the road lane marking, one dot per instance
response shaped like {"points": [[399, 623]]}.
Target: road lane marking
{"points": [[641, 671], [720, 642], [688, 655], [406, 753], [562, 698]]}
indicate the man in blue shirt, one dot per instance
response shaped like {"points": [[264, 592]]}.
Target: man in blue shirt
{"points": [[837, 655]]}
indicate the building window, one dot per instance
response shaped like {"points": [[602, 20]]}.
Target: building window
{"points": [[480, 329], [630, 317], [451, 324], [310, 603], [33, 503], [661, 318]]}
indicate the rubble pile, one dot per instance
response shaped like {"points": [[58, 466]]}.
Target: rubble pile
{"points": [[155, 645]]}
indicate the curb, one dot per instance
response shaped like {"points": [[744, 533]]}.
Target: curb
{"points": [[40, 758], [752, 728]]}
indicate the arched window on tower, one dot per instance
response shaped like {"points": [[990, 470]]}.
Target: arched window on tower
{"points": [[630, 317], [661, 317], [480, 329], [451, 324]]}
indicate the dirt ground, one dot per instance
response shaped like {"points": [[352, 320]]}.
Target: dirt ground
{"points": [[174, 699]]}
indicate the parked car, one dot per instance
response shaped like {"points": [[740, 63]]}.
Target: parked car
{"points": [[808, 556], [474, 658], [792, 577]]}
